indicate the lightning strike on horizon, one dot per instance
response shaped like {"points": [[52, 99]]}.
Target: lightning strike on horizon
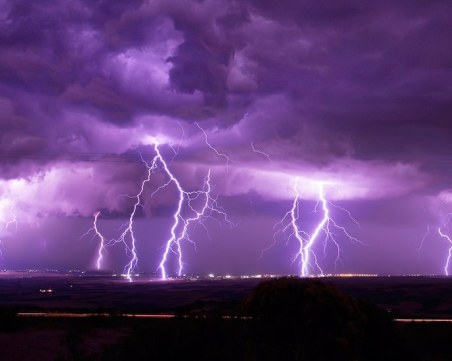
{"points": [[127, 237], [306, 255], [177, 235], [424, 237], [128, 231], [449, 256], [179, 230], [101, 249], [102, 242], [6, 225]]}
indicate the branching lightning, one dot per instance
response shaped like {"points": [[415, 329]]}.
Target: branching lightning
{"points": [[101, 249], [128, 231], [13, 221], [306, 255], [192, 207], [102, 241], [181, 224], [6, 225], [255, 150], [181, 221], [217, 152], [127, 237], [449, 256]]}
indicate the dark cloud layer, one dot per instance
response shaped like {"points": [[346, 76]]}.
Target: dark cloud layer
{"points": [[374, 75], [357, 91]]}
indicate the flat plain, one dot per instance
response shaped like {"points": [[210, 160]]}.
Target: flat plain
{"points": [[107, 335]]}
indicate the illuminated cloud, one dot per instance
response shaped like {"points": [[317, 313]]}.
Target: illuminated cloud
{"points": [[350, 94]]}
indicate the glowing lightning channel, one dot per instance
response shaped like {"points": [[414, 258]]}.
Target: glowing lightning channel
{"points": [[306, 255], [177, 215], [127, 237], [6, 225], [206, 139], [101, 249], [13, 221], [128, 231], [180, 228], [102, 244], [426, 234], [181, 224], [445, 236], [255, 150], [323, 225]]}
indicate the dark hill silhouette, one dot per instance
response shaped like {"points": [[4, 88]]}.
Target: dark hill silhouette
{"points": [[302, 319]]}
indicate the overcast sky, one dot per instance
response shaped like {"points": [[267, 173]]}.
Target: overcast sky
{"points": [[352, 98]]}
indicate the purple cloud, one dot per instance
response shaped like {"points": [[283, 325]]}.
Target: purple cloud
{"points": [[353, 94]]}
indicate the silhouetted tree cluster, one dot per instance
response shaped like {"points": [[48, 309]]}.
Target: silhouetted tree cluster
{"points": [[297, 319]]}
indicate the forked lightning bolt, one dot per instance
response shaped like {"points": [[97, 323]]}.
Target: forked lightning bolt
{"points": [[181, 224], [102, 242], [217, 152], [449, 256], [128, 232], [306, 255], [101, 249], [127, 237], [258, 151], [192, 206], [6, 225], [13, 221]]}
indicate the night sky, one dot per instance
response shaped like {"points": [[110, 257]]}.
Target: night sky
{"points": [[352, 97]]}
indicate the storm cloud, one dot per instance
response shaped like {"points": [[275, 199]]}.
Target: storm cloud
{"points": [[351, 94]]}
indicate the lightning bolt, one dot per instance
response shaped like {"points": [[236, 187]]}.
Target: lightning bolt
{"points": [[7, 224], [181, 224], [127, 237], [128, 232], [326, 226], [424, 237], [449, 256], [177, 216], [260, 152], [13, 221], [101, 249], [192, 207], [217, 152], [103, 243]]}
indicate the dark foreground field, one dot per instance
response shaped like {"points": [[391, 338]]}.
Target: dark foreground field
{"points": [[201, 331], [115, 339], [406, 297]]}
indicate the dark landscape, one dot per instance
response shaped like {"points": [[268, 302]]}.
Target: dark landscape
{"points": [[241, 180], [402, 296], [208, 320]]}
